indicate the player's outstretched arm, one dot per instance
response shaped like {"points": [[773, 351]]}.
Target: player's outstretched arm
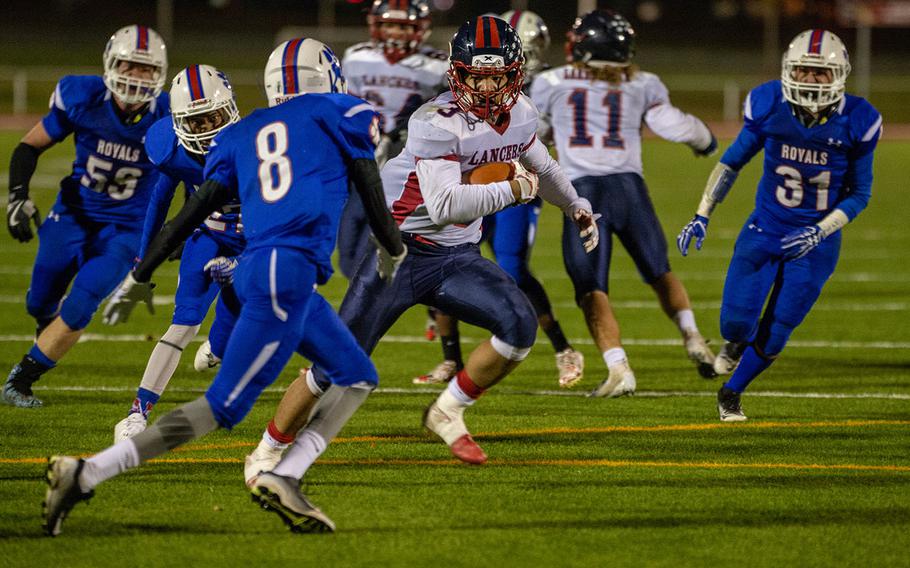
{"points": [[719, 184], [392, 252], [20, 209]]}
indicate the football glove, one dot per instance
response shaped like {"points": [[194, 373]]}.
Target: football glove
{"points": [[527, 184], [125, 298], [221, 269], [800, 242], [18, 214], [387, 265], [697, 228], [587, 229]]}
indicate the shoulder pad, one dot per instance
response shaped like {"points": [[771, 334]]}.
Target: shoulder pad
{"points": [[433, 53], [761, 101], [427, 136], [78, 90], [161, 141], [357, 47], [865, 120]]}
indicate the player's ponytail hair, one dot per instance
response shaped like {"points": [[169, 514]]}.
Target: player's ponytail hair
{"points": [[610, 74]]}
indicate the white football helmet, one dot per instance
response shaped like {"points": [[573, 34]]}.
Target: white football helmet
{"points": [[301, 66], [535, 38], [136, 44], [202, 105], [820, 49]]}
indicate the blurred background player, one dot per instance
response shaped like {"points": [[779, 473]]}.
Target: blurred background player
{"points": [[202, 105], [93, 231], [819, 145], [596, 105], [396, 73], [511, 233], [440, 218], [277, 161]]}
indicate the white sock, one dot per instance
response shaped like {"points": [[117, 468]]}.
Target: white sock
{"points": [[166, 356], [108, 463], [685, 321], [270, 443], [306, 449], [614, 356], [456, 396]]}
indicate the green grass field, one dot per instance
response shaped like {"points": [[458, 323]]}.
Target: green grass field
{"points": [[819, 475]]}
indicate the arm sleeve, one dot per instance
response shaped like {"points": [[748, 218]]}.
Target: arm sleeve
{"points": [[365, 175], [57, 122], [555, 187], [160, 202], [22, 166], [672, 124], [210, 197], [449, 201]]}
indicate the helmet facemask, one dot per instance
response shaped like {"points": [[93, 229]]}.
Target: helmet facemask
{"points": [[196, 129], [809, 94], [398, 39], [135, 65], [466, 81]]}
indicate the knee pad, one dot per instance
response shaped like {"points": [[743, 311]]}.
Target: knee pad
{"points": [[79, 307], [179, 336], [41, 312], [508, 351]]}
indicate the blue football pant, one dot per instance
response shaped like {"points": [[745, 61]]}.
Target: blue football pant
{"points": [[195, 289], [94, 256], [755, 271]]}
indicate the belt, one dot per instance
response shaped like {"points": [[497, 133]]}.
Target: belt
{"points": [[223, 227]]}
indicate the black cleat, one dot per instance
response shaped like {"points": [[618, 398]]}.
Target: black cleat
{"points": [[282, 495], [63, 491], [728, 406]]}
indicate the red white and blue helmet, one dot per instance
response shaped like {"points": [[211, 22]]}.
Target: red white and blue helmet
{"points": [[137, 44], [482, 47], [414, 13], [300, 66], [197, 91], [535, 38], [820, 49]]}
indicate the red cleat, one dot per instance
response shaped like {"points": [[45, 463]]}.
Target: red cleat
{"points": [[467, 450]]}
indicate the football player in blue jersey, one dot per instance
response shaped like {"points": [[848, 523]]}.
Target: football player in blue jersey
{"points": [[819, 144], [92, 233], [202, 105], [289, 166]]}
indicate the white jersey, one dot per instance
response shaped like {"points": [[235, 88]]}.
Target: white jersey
{"points": [[597, 125], [394, 89], [423, 186]]}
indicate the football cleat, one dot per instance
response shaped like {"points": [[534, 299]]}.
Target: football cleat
{"points": [[728, 405], [620, 382], [449, 425], [205, 360], [700, 354], [130, 426], [728, 358], [282, 496], [571, 365], [16, 396], [264, 458], [442, 373], [63, 491]]}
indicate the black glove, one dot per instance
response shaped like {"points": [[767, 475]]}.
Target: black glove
{"points": [[19, 213]]}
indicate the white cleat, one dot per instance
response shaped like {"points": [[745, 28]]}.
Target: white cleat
{"points": [[729, 406], [264, 458], [130, 426], [699, 353], [205, 360], [571, 366], [442, 373], [63, 491], [728, 358], [282, 496], [449, 425], [620, 382]]}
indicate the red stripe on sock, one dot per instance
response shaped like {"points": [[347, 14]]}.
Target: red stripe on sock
{"points": [[275, 433], [467, 385]]}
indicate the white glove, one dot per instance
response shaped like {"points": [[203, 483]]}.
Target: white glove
{"points": [[527, 183], [587, 228], [386, 264], [125, 298], [221, 269]]}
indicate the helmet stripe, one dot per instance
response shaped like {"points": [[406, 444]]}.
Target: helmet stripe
{"points": [[815, 41], [289, 65], [478, 34], [516, 15], [494, 31], [142, 38], [195, 82]]}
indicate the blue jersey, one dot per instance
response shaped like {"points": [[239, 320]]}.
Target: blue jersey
{"points": [[808, 172], [112, 177], [289, 166], [175, 164]]}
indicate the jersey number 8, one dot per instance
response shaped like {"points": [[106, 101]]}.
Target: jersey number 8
{"points": [[274, 166]]}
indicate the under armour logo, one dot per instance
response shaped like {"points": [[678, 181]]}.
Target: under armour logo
{"points": [[835, 143]]}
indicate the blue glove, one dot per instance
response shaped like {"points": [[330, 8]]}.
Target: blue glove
{"points": [[221, 269], [698, 228], [800, 242]]}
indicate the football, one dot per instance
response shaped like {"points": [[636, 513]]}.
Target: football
{"points": [[489, 173]]}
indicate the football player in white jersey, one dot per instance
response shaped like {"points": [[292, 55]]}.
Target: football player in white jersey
{"points": [[596, 105], [484, 119], [396, 73]]}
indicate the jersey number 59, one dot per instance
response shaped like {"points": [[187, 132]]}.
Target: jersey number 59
{"points": [[274, 166]]}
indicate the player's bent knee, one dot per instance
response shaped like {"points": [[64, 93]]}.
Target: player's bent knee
{"points": [[736, 330], [510, 352], [179, 335], [79, 307], [317, 385]]}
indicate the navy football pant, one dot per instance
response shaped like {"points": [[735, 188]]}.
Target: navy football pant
{"points": [[627, 212], [94, 256], [353, 236], [755, 271]]}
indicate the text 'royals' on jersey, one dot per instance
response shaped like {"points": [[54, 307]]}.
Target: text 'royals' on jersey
{"points": [[112, 177], [395, 89], [440, 130], [289, 167], [597, 125], [807, 171]]}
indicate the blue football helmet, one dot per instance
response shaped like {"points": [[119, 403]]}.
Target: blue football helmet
{"points": [[602, 38]]}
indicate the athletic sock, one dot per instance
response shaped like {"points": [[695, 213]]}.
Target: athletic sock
{"points": [[306, 450], [451, 348], [557, 337], [614, 356], [108, 463], [275, 438], [144, 401], [30, 368], [463, 389], [750, 366], [685, 321]]}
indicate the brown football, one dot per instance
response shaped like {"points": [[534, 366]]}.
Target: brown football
{"points": [[489, 173]]}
